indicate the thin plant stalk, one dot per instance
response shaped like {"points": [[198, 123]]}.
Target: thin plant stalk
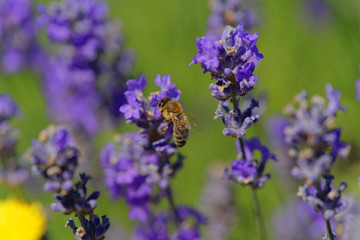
{"points": [[171, 201], [258, 215], [328, 227], [327, 222]]}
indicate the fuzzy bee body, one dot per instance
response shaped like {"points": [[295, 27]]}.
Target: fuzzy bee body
{"points": [[174, 113]]}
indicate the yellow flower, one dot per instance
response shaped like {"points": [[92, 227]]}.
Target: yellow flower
{"points": [[21, 221]]}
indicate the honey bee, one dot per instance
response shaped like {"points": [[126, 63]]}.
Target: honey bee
{"points": [[173, 112]]}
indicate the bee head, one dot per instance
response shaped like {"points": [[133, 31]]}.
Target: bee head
{"points": [[163, 101]]}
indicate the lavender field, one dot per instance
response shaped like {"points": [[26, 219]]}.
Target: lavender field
{"points": [[186, 120]]}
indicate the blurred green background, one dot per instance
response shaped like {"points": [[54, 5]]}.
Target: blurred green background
{"points": [[299, 53]]}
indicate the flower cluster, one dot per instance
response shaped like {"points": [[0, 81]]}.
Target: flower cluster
{"points": [[85, 80], [314, 143], [325, 200], [247, 170], [158, 226], [18, 45], [55, 157], [12, 172], [235, 120], [229, 12], [230, 61], [139, 168]]}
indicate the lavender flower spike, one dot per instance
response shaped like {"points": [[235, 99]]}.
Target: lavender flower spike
{"points": [[235, 120], [230, 61], [357, 87], [55, 157], [18, 45], [326, 201], [85, 80], [249, 171], [313, 140], [229, 12], [12, 172]]}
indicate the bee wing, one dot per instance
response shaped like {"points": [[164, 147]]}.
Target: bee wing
{"points": [[179, 123], [193, 123]]}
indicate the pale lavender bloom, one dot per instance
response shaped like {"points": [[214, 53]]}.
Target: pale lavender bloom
{"points": [[229, 12], [18, 45], [85, 81], [8, 135], [54, 155], [13, 171], [313, 140], [326, 201], [317, 13], [357, 87], [347, 221], [236, 121], [8, 108]]}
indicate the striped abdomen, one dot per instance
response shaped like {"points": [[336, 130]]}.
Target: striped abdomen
{"points": [[181, 131]]}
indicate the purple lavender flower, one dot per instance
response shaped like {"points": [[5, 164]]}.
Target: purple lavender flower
{"points": [[76, 199], [8, 108], [160, 226], [314, 143], [229, 12], [357, 87], [8, 135], [236, 121], [347, 221], [136, 172], [55, 157], [325, 200], [143, 111], [230, 61], [13, 171], [18, 45], [96, 228], [317, 13], [249, 171], [90, 65], [297, 220]]}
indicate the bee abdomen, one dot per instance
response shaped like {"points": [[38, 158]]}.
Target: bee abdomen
{"points": [[180, 138]]}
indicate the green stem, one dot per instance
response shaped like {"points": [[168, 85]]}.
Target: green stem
{"points": [[242, 147], [171, 201], [258, 216], [328, 227]]}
